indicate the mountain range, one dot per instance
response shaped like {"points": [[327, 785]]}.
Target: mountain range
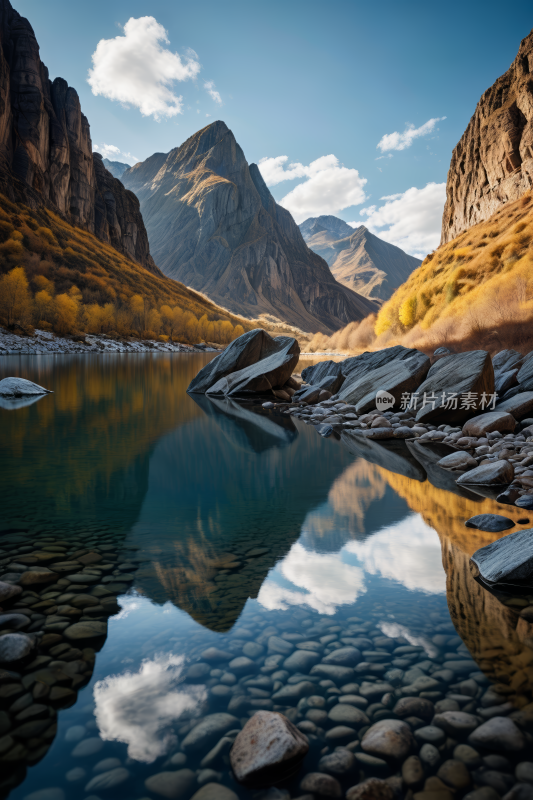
{"points": [[214, 225], [357, 258], [116, 168]]}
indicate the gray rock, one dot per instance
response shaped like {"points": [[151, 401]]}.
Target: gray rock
{"points": [[456, 723], [495, 474], [412, 771], [87, 631], [520, 791], [356, 366], [213, 655], [507, 359], [88, 747], [293, 691], [454, 774], [524, 772], [335, 673], [308, 394], [268, 749], [107, 764], [429, 755], [214, 791], [208, 731], [484, 793], [20, 387], [15, 621], [493, 523], [525, 374], [248, 349], [396, 378], [525, 501], [15, 646], [344, 657], [269, 373], [414, 707], [340, 762], [301, 661], [75, 775], [507, 560], [388, 739], [490, 421], [498, 733], [467, 754], [8, 591], [457, 373], [431, 734], [505, 380], [242, 666], [53, 793], [375, 433], [520, 406], [324, 369], [318, 783], [108, 780], [344, 714], [171, 784], [371, 789], [458, 461], [278, 645]]}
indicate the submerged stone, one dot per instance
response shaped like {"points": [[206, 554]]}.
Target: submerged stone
{"points": [[492, 523], [507, 560]]}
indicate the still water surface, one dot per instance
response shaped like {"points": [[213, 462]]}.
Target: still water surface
{"points": [[246, 525]]}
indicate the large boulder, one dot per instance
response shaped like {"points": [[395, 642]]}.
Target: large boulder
{"points": [[248, 349], [269, 373], [396, 377], [20, 387], [506, 360], [268, 749], [324, 369], [508, 560], [496, 473], [456, 374], [356, 366], [520, 406], [525, 375]]}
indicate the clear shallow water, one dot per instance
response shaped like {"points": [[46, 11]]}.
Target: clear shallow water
{"points": [[246, 525]]}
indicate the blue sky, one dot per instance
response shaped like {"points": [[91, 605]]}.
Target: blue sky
{"points": [[303, 80]]}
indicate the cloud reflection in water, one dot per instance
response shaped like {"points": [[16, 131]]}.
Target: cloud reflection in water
{"points": [[139, 708]]}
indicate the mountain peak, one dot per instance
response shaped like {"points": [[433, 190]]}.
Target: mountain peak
{"points": [[326, 222]]}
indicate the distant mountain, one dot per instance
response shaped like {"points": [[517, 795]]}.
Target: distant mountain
{"points": [[358, 259], [213, 224], [116, 168]]}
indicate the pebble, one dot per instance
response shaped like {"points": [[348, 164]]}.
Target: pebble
{"points": [[414, 707], [456, 723], [389, 739], [371, 789], [88, 747], [108, 780], [498, 733], [321, 784], [492, 523], [430, 734], [344, 714], [454, 774], [206, 732], [14, 647], [54, 793], [340, 762], [8, 591], [76, 774], [524, 772], [214, 791], [171, 784], [412, 771], [107, 764], [430, 756]]}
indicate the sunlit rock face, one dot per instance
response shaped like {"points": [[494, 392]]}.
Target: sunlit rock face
{"points": [[214, 225], [46, 153], [493, 161]]}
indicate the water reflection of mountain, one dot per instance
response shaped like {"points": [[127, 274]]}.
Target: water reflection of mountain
{"points": [[500, 641], [79, 457], [219, 490]]}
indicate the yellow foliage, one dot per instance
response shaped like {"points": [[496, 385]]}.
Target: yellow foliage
{"points": [[15, 299], [407, 312]]}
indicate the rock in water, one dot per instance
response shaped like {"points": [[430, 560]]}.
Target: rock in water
{"points": [[324, 369], [20, 387], [499, 733], [269, 373], [390, 739], [15, 646], [457, 461], [248, 349], [207, 732], [493, 523], [507, 560], [7, 591], [490, 165], [495, 474], [491, 421], [268, 749], [357, 366], [459, 374], [214, 225]]}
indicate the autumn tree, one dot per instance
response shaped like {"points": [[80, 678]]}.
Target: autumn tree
{"points": [[66, 314], [44, 306], [15, 298], [238, 330]]}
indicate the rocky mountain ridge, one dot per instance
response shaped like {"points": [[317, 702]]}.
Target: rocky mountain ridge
{"points": [[116, 168], [46, 153], [214, 225], [357, 258], [492, 163]]}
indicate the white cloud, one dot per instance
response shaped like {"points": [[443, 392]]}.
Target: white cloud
{"points": [[401, 141], [114, 153], [138, 70], [209, 86], [411, 220], [391, 554], [394, 631], [328, 188], [139, 708], [327, 582]]}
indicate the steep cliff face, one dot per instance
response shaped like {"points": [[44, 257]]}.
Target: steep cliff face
{"points": [[493, 161], [46, 151], [358, 259], [214, 225]]}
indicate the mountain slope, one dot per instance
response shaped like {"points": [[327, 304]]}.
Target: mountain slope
{"points": [[46, 156], [492, 163], [357, 258], [214, 225], [116, 168]]}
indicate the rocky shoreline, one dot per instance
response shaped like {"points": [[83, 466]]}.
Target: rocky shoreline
{"points": [[46, 343]]}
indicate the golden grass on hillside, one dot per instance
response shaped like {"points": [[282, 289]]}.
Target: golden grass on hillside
{"points": [[477, 288], [57, 276]]}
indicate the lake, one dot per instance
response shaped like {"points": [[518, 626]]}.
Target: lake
{"points": [[251, 559]]}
